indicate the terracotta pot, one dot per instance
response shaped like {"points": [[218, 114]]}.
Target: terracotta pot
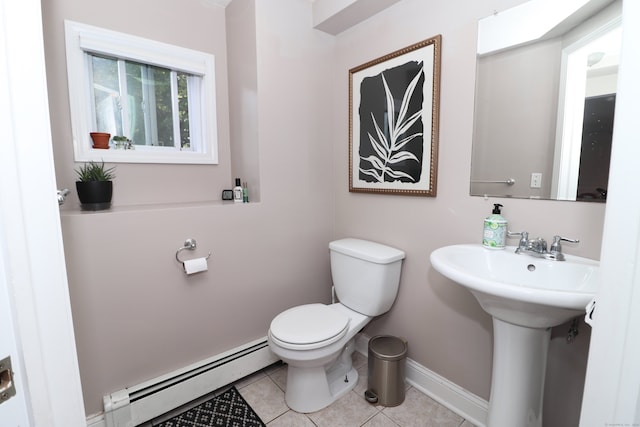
{"points": [[100, 139]]}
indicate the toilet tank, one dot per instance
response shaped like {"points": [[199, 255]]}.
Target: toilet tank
{"points": [[365, 274]]}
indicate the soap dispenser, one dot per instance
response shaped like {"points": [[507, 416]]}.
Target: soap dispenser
{"points": [[495, 229]]}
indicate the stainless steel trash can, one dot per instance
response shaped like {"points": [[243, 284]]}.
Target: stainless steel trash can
{"points": [[386, 370]]}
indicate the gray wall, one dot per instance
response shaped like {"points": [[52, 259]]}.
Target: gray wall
{"points": [[137, 315], [447, 330]]}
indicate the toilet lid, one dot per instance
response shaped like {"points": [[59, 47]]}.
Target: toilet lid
{"points": [[309, 324]]}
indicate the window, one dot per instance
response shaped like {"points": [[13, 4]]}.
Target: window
{"points": [[159, 96], [149, 103]]}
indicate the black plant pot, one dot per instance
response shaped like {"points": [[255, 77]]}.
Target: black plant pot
{"points": [[95, 195]]}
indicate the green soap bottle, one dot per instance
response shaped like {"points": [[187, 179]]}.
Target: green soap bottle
{"points": [[245, 192], [494, 235]]}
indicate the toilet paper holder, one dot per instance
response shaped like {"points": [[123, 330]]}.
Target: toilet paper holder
{"points": [[189, 244]]}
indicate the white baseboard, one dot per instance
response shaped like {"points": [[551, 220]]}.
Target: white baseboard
{"points": [[461, 401]]}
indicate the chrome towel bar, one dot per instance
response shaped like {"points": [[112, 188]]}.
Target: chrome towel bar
{"points": [[509, 181]]}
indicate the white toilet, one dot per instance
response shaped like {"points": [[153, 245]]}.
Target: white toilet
{"points": [[317, 340]]}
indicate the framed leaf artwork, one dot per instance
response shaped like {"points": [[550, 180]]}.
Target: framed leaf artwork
{"points": [[393, 121]]}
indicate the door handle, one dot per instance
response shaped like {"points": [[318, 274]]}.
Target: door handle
{"points": [[7, 386], [62, 195]]}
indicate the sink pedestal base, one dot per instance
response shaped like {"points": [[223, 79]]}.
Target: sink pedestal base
{"points": [[517, 381]]}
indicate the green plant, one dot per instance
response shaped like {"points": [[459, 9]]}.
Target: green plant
{"points": [[93, 171], [123, 142]]}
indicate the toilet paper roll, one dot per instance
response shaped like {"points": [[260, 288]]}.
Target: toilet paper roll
{"points": [[195, 265]]}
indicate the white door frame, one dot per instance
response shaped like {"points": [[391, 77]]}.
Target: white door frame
{"points": [[570, 121], [612, 388], [32, 249]]}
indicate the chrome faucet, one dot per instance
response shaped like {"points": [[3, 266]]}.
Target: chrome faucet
{"points": [[538, 247], [556, 248]]}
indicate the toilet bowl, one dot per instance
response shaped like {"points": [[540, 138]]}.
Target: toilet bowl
{"points": [[317, 340], [320, 368]]}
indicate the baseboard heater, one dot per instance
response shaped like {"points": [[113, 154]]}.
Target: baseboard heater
{"points": [[141, 403]]}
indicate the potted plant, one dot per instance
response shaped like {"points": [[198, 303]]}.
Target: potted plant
{"points": [[95, 186], [122, 142], [100, 139]]}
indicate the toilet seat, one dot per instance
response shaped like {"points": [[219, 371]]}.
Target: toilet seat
{"points": [[309, 326]]}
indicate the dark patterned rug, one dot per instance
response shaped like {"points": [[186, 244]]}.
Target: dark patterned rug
{"points": [[226, 410]]}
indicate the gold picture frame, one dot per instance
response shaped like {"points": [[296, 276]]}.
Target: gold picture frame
{"points": [[396, 153]]}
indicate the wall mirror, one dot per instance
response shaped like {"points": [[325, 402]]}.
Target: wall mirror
{"points": [[545, 100]]}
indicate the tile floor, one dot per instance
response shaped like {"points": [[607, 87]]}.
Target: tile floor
{"points": [[264, 391]]}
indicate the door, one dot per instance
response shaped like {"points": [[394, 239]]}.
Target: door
{"points": [[35, 314], [13, 405], [612, 386]]}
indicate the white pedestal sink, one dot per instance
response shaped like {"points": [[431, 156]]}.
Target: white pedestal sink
{"points": [[526, 296]]}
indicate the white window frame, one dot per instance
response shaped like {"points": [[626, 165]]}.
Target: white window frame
{"points": [[82, 39]]}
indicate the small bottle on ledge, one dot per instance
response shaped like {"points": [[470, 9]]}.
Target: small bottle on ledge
{"points": [[237, 192]]}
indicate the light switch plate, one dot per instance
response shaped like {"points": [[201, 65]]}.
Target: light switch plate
{"points": [[536, 180]]}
